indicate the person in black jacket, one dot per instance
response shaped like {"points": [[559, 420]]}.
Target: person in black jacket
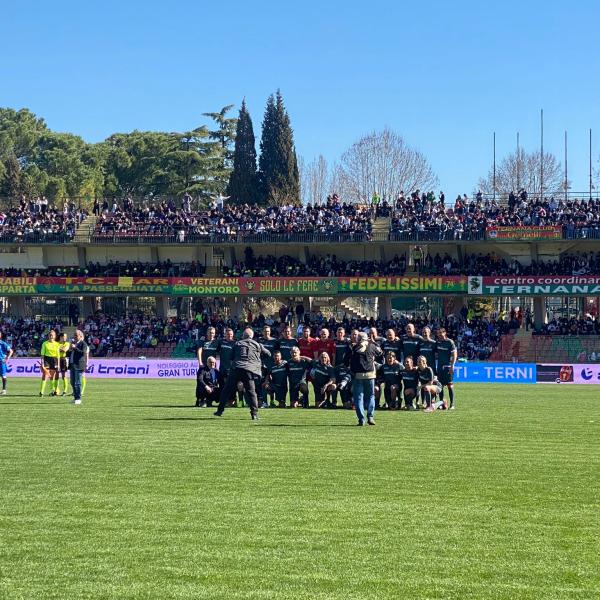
{"points": [[79, 353], [247, 370], [208, 383], [361, 360]]}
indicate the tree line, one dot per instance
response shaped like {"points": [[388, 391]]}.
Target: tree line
{"points": [[220, 159], [206, 161]]}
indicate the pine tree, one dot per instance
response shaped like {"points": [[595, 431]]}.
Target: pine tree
{"points": [[279, 176], [243, 182]]}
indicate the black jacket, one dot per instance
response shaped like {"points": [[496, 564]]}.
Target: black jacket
{"points": [[79, 355], [363, 362], [204, 378], [247, 355]]}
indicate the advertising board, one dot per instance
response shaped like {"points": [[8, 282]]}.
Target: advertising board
{"points": [[584, 373], [115, 368]]}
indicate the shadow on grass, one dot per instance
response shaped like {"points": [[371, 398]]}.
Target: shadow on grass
{"points": [[259, 424], [40, 402], [307, 425], [159, 406], [207, 418]]}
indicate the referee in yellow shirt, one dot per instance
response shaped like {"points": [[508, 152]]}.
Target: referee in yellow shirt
{"points": [[50, 354], [64, 347]]}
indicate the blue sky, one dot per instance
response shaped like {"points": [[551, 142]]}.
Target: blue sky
{"points": [[443, 74]]}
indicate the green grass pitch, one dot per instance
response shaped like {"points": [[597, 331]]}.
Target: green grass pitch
{"points": [[135, 494]]}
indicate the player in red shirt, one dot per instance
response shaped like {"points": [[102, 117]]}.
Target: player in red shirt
{"points": [[324, 344], [306, 344]]}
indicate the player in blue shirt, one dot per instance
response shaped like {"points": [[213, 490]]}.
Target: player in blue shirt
{"points": [[5, 353]]}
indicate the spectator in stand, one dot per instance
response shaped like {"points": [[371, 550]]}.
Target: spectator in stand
{"points": [[35, 220]]}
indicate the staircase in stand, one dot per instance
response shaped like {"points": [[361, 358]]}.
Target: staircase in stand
{"points": [[515, 347], [363, 308], [213, 272], [526, 352], [84, 231], [381, 227], [69, 330]]}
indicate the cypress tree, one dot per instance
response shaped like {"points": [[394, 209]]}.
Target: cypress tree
{"points": [[280, 180], [243, 182], [268, 158], [290, 178]]}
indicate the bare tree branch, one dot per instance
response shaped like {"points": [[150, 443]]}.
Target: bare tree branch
{"points": [[382, 162], [522, 171]]}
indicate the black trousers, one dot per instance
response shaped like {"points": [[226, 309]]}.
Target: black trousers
{"points": [[249, 381]]}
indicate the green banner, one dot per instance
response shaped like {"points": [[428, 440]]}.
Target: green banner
{"points": [[402, 285]]}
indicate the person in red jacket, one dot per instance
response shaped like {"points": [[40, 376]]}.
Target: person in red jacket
{"points": [[323, 344], [306, 344]]}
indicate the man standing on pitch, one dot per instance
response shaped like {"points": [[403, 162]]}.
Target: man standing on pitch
{"points": [[247, 369], [361, 360], [78, 364]]}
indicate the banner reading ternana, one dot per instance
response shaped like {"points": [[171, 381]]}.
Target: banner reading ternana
{"points": [[535, 285], [545, 232]]}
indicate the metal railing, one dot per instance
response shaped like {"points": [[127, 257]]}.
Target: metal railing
{"points": [[502, 198], [436, 235], [36, 238], [588, 232], [239, 238]]}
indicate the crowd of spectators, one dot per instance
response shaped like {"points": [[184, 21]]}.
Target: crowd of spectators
{"points": [[233, 221], [330, 265], [25, 335], [429, 218], [577, 326], [36, 220], [109, 335], [113, 269], [419, 215]]}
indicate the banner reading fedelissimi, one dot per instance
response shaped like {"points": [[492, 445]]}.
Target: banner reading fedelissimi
{"points": [[420, 284]]}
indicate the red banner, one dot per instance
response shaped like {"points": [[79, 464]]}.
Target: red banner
{"points": [[545, 232]]}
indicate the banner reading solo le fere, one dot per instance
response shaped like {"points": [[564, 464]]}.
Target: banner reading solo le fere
{"points": [[531, 285]]}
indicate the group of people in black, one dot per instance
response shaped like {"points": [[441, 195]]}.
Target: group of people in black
{"points": [[364, 371]]}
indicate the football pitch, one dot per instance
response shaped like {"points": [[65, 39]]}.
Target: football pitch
{"points": [[134, 494]]}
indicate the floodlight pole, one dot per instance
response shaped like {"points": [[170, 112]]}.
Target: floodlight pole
{"points": [[566, 168], [542, 153], [591, 186], [494, 177], [518, 164]]}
